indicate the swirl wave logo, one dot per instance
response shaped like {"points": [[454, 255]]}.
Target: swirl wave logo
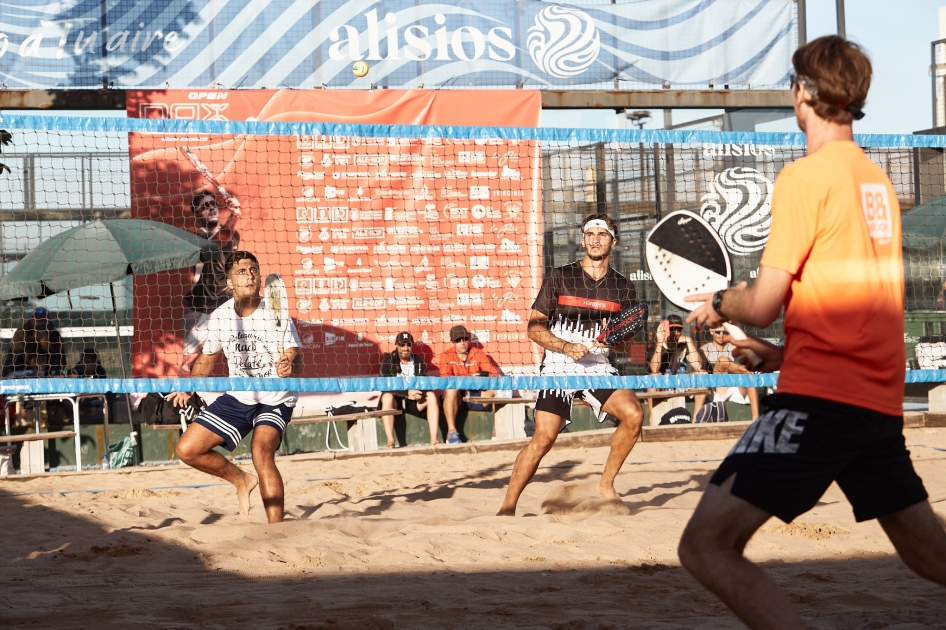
{"points": [[739, 208], [564, 41]]}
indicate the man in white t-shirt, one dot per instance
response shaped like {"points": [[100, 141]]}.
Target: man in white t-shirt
{"points": [[244, 329], [718, 353]]}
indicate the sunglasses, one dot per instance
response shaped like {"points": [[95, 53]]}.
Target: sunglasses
{"points": [[461, 339], [720, 332], [677, 327], [404, 344], [805, 82]]}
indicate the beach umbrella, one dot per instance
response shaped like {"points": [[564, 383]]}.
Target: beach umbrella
{"points": [[103, 252]]}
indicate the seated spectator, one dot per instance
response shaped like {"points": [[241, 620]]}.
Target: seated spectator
{"points": [[676, 353], [720, 359], [403, 362], [90, 409], [88, 365], [461, 359], [36, 348]]}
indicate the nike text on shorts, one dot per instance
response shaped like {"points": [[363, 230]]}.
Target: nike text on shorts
{"points": [[788, 457]]}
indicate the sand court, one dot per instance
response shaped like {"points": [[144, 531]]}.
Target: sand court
{"points": [[412, 541]]}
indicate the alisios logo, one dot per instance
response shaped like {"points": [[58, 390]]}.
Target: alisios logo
{"points": [[740, 209], [564, 41]]}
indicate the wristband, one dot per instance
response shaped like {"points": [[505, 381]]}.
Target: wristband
{"points": [[718, 301]]}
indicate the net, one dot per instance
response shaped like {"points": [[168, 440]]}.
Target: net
{"points": [[383, 229]]}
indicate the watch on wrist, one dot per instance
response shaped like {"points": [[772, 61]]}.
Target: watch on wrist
{"points": [[718, 301]]}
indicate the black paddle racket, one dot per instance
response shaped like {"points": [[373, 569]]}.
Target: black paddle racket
{"points": [[685, 255], [624, 324]]}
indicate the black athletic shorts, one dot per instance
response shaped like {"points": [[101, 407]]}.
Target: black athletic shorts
{"points": [[788, 457], [410, 406], [559, 401]]}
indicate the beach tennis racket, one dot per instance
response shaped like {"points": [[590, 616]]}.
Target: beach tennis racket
{"points": [[624, 324], [275, 294], [203, 170], [685, 255]]}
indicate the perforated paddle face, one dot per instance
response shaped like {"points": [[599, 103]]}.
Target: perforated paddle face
{"points": [[625, 324], [685, 255]]}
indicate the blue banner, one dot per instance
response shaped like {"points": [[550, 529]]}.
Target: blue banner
{"points": [[395, 43]]}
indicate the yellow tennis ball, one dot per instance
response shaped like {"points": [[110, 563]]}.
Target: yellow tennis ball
{"points": [[359, 68]]}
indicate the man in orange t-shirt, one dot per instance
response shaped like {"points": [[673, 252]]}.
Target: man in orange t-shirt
{"points": [[462, 359], [834, 261]]}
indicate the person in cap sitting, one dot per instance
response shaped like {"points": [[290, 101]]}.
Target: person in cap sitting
{"points": [[403, 362], [89, 366], [720, 360], [462, 359], [676, 353]]}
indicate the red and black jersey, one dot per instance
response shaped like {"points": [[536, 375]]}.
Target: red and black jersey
{"points": [[570, 293], [576, 304]]}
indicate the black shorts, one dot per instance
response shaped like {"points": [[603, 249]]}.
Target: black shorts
{"points": [[789, 456], [410, 406], [559, 401]]}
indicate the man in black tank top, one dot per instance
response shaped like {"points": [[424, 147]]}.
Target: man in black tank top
{"points": [[567, 316], [210, 289]]}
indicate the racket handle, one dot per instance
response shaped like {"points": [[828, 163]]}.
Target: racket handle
{"points": [[748, 358]]}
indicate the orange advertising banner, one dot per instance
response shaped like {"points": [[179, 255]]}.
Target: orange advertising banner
{"points": [[373, 236]]}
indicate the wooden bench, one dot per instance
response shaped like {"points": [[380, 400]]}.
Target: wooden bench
{"points": [[165, 427], [37, 400], [660, 401], [508, 422], [670, 393], [32, 458], [362, 429], [32, 437], [362, 435], [486, 400]]}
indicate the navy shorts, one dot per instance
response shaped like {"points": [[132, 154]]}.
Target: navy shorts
{"points": [[559, 401], [788, 457], [233, 420]]}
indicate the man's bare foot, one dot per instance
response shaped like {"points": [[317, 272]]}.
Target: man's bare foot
{"points": [[608, 491], [244, 487], [506, 512]]}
